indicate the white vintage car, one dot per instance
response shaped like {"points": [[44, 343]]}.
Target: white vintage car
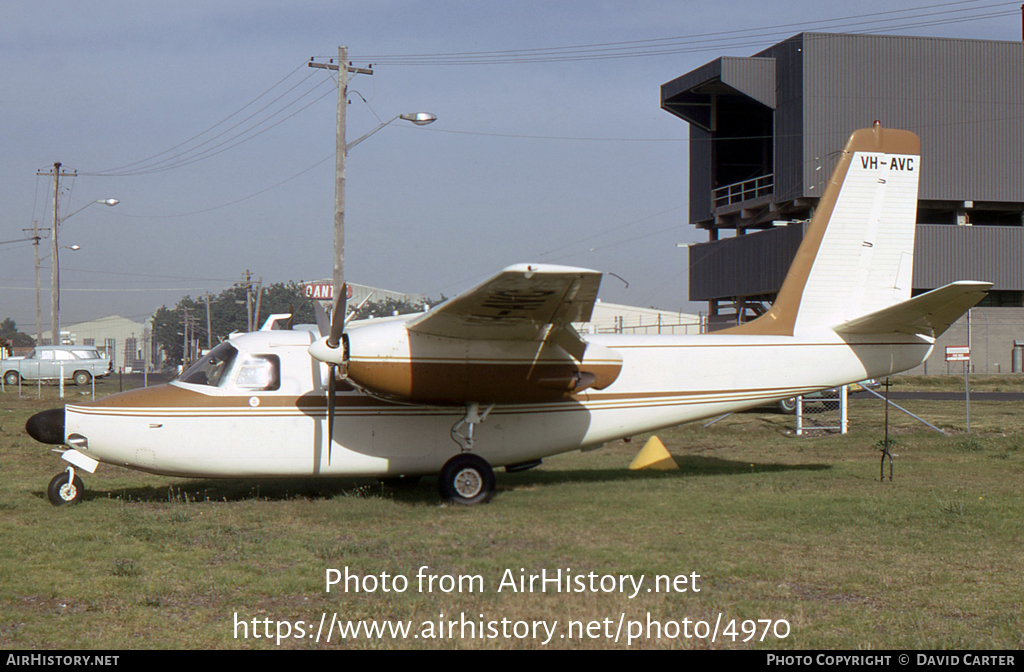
{"points": [[80, 363]]}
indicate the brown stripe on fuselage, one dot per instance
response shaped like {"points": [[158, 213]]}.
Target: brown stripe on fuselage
{"points": [[316, 406], [173, 396], [459, 383], [165, 395]]}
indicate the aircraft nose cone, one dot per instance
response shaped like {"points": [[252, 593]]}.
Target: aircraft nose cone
{"points": [[47, 426]]}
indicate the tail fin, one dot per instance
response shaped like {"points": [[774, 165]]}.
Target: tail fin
{"points": [[857, 256]]}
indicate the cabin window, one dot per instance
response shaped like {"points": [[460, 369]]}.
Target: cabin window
{"points": [[211, 367], [258, 372]]}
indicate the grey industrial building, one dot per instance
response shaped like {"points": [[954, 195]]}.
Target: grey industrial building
{"points": [[765, 134]]}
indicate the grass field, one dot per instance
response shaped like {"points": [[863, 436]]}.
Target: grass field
{"points": [[777, 527]]}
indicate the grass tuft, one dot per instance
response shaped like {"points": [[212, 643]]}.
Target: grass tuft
{"points": [[126, 568]]}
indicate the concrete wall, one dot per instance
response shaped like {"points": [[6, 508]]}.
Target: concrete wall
{"points": [[992, 333]]}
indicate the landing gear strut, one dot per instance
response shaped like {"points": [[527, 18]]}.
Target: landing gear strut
{"points": [[65, 488], [472, 418], [467, 478]]}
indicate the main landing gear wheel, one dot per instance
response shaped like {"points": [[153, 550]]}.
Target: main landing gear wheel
{"points": [[466, 479], [65, 488]]}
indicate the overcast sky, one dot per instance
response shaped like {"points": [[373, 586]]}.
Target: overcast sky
{"points": [[556, 157]]}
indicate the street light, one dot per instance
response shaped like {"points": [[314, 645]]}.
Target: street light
{"points": [[418, 118], [55, 266]]}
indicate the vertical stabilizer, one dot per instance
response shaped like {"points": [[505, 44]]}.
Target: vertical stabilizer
{"points": [[857, 256]]}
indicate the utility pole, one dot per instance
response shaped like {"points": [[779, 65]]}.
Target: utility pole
{"points": [[39, 311], [55, 266], [194, 344], [259, 300], [184, 340], [343, 69], [209, 332], [248, 301]]}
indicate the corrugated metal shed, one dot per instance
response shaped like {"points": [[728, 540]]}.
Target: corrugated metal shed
{"points": [[756, 264], [965, 98], [748, 265], [945, 254]]}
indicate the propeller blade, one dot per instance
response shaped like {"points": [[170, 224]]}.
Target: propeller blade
{"points": [[323, 323], [338, 318], [337, 330], [331, 386]]}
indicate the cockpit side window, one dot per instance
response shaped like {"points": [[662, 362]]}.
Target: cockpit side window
{"points": [[259, 372], [211, 367]]}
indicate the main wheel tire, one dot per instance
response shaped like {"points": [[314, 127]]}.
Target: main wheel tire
{"points": [[11, 378], [466, 479], [61, 492], [788, 406], [82, 378]]}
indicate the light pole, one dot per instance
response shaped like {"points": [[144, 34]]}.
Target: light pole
{"points": [[341, 149], [54, 265], [340, 294]]}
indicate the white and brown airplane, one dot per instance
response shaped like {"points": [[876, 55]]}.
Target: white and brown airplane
{"points": [[497, 377]]}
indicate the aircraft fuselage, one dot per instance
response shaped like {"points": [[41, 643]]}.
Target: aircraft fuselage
{"points": [[186, 429]]}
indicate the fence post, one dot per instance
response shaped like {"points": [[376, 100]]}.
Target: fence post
{"points": [[843, 415], [799, 416]]}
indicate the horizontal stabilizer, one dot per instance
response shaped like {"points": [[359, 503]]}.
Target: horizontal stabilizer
{"points": [[929, 314]]}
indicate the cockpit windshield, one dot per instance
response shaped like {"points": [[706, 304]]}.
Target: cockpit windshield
{"points": [[211, 367]]}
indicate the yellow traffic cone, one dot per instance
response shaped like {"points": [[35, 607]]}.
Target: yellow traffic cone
{"points": [[653, 456]]}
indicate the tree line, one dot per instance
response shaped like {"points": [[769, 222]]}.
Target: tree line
{"points": [[228, 313], [11, 337]]}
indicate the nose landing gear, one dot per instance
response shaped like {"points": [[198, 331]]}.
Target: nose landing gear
{"points": [[65, 488]]}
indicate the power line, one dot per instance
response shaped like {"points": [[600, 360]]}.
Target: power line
{"points": [[19, 240], [184, 158], [107, 289], [239, 200], [201, 133], [150, 275], [698, 42], [195, 152]]}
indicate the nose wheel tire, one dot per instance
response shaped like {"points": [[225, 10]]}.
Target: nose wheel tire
{"points": [[61, 491], [466, 479]]}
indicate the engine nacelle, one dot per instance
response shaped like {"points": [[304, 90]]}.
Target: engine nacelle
{"points": [[389, 360]]}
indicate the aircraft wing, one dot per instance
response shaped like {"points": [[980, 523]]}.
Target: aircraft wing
{"points": [[929, 314], [516, 304]]}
